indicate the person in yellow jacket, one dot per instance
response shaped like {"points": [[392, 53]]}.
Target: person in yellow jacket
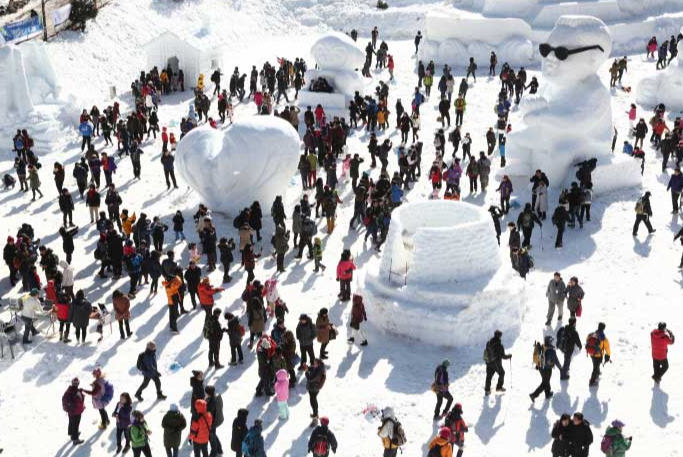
{"points": [[597, 348], [200, 82], [386, 432], [127, 223], [441, 444], [172, 286]]}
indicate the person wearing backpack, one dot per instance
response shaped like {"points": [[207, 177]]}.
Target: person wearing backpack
{"points": [[660, 338], [456, 424], [173, 424], [494, 353], [214, 405], [102, 393], [575, 296], [559, 219], [526, 221], [122, 413], [440, 446], [73, 404], [597, 347], [200, 429], [580, 436], [614, 444], [556, 293], [560, 435], [147, 365], [643, 214], [387, 432], [567, 340], [322, 440], [440, 388], [139, 435], [253, 445], [546, 361]]}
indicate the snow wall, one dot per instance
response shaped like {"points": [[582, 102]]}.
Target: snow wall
{"points": [[254, 159], [664, 87], [441, 278]]}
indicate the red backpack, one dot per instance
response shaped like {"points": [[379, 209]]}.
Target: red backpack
{"points": [[593, 344], [320, 446]]}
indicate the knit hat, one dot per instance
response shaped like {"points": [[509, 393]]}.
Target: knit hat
{"points": [[445, 433], [34, 292], [97, 372], [446, 363], [75, 382], [10, 239], [173, 407], [661, 326], [265, 343], [324, 421], [617, 423]]}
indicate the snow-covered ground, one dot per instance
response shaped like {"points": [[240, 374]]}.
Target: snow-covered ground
{"points": [[630, 283]]}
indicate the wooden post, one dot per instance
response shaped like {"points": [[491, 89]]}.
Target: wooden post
{"points": [[42, 6]]}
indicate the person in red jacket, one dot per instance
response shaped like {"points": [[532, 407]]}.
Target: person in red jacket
{"points": [[73, 403], [61, 308], [345, 269], [661, 338], [206, 292], [200, 429]]}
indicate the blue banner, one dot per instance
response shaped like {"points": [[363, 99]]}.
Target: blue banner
{"points": [[21, 30]]}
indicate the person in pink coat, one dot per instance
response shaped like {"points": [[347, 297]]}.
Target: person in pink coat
{"points": [[345, 269], [632, 115], [282, 392]]}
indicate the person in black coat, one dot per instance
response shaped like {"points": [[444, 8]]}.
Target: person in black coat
{"points": [[79, 315], [496, 214], [197, 384], [66, 206], [545, 369], [115, 251], [643, 214], [580, 436], [536, 179], [560, 435], [560, 219], [68, 241], [354, 170], [255, 216], [571, 340], [225, 247], [493, 356], [193, 276], [514, 243], [81, 174], [526, 221], [323, 433], [239, 431]]}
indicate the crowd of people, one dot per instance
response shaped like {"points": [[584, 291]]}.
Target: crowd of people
{"points": [[129, 240]]}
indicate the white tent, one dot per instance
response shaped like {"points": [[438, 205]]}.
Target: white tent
{"points": [[194, 52]]}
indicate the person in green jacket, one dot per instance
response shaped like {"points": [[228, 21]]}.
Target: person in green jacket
{"points": [[173, 424], [139, 435], [318, 254], [619, 444]]}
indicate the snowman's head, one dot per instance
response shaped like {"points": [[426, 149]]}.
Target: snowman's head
{"points": [[584, 43]]}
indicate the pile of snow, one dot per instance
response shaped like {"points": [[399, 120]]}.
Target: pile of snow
{"points": [[452, 39], [663, 87], [338, 58], [440, 270], [252, 160]]}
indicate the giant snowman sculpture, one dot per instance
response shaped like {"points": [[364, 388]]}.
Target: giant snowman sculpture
{"points": [[254, 159], [441, 279], [570, 120], [664, 87], [338, 58]]}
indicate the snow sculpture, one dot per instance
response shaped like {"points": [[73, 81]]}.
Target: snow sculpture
{"points": [[30, 80], [252, 160], [441, 278], [338, 57], [664, 87], [571, 118]]}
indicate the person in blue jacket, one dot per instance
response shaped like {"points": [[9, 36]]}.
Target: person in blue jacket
{"points": [[548, 362], [676, 187], [147, 364], [85, 130]]}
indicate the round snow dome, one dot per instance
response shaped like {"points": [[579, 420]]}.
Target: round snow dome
{"points": [[440, 241]]}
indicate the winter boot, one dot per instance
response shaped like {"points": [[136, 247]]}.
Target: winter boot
{"points": [[161, 396], [139, 397], [364, 343]]}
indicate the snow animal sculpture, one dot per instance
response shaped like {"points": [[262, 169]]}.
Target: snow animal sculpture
{"points": [[254, 159], [571, 118]]}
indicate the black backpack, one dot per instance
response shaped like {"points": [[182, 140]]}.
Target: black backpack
{"points": [[562, 339], [140, 365], [435, 451]]}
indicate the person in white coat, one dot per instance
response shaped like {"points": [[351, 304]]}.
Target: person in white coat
{"points": [[31, 310], [541, 207], [67, 279], [386, 432]]}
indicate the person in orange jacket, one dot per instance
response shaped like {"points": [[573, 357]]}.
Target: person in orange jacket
{"points": [[172, 287], [206, 292], [442, 443], [200, 429]]}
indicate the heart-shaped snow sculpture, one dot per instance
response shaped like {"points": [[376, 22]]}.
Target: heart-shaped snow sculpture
{"points": [[254, 159], [336, 51]]}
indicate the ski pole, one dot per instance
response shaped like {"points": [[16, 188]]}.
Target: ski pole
{"points": [[510, 360], [541, 237]]}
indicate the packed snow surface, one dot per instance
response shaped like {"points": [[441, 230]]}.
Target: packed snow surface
{"points": [[664, 87]]}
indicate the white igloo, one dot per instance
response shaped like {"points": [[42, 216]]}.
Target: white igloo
{"points": [[570, 119], [441, 278], [254, 159], [664, 87], [338, 60]]}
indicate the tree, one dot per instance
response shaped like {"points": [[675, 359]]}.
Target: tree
{"points": [[81, 11]]}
